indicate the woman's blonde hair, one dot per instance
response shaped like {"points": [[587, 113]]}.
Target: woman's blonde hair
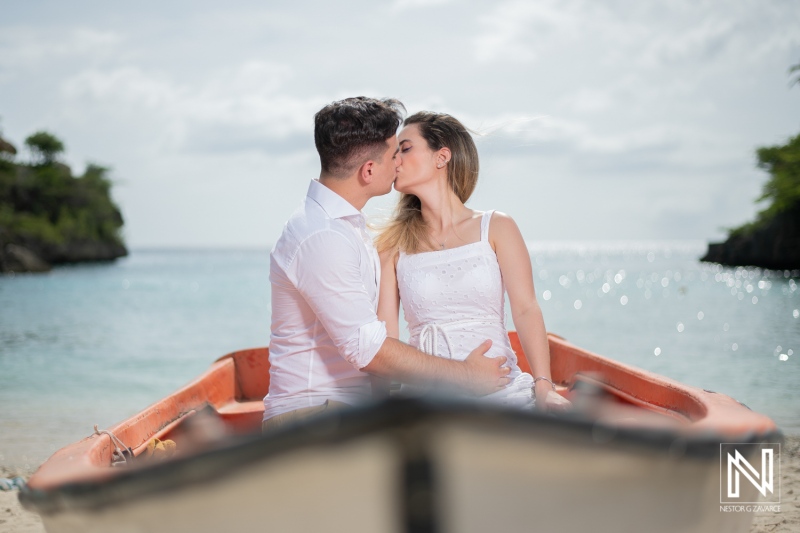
{"points": [[406, 230]]}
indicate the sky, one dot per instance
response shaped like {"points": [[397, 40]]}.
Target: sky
{"points": [[598, 120]]}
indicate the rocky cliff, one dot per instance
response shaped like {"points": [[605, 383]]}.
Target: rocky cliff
{"points": [[772, 240], [48, 216], [775, 245]]}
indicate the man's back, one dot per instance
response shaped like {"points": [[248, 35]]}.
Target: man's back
{"points": [[324, 276]]}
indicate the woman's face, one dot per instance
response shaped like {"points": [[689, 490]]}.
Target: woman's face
{"points": [[417, 161]]}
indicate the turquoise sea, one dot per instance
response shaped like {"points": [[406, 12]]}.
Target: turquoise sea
{"points": [[94, 344]]}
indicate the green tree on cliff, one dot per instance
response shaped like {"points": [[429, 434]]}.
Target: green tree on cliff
{"points": [[782, 190], [44, 146], [55, 215], [7, 150], [783, 187]]}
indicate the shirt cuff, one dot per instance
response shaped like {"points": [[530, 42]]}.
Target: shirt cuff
{"points": [[370, 339]]}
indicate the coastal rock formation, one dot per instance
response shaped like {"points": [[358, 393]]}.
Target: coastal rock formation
{"points": [[772, 240], [775, 246], [15, 258], [7, 147], [48, 216], [36, 256]]}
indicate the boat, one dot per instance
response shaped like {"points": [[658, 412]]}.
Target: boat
{"points": [[639, 452]]}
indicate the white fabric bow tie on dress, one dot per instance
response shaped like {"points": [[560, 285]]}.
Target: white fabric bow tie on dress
{"points": [[429, 335]]}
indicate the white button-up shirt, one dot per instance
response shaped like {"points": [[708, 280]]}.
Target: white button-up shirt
{"points": [[325, 275]]}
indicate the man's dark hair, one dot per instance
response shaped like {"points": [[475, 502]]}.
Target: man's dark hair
{"points": [[351, 131]]}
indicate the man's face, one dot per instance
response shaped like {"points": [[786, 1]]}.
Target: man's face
{"points": [[385, 169]]}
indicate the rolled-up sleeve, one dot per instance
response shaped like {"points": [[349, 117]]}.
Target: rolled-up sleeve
{"points": [[327, 272]]}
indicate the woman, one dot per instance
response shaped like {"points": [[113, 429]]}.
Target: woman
{"points": [[447, 264]]}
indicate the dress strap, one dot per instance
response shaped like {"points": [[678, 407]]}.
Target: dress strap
{"points": [[485, 219]]}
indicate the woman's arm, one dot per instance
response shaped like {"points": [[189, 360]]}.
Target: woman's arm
{"points": [[389, 296], [388, 311], [515, 266]]}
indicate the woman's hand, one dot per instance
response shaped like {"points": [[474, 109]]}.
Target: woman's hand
{"points": [[549, 400], [555, 403]]}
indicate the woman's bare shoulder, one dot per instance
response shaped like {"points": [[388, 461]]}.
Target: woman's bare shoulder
{"points": [[502, 223]]}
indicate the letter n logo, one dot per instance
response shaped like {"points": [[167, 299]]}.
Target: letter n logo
{"points": [[737, 464], [739, 476]]}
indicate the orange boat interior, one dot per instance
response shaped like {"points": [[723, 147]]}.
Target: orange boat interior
{"points": [[235, 385]]}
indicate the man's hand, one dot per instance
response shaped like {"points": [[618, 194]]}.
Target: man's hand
{"points": [[485, 374], [477, 374]]}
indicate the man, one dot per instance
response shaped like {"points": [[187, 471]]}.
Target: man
{"points": [[326, 338]]}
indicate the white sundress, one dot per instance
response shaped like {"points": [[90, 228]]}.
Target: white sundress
{"points": [[453, 300]]}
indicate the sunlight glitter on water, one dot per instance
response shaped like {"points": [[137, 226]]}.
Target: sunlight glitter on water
{"points": [[82, 332], [664, 292]]}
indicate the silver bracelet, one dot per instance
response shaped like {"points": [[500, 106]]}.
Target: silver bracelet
{"points": [[550, 381]]}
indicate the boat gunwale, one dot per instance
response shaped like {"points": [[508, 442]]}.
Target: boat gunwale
{"points": [[77, 461], [392, 415], [58, 482], [708, 411]]}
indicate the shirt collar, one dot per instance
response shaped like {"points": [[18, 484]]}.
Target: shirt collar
{"points": [[333, 204]]}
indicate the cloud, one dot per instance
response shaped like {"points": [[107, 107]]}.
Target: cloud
{"points": [[407, 5], [128, 85], [611, 105], [239, 108], [705, 41], [562, 137], [589, 100], [513, 27], [649, 35], [29, 48]]}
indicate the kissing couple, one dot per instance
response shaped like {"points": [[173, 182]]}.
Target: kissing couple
{"points": [[336, 294]]}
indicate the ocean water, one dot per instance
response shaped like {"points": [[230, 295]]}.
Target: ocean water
{"points": [[94, 344]]}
